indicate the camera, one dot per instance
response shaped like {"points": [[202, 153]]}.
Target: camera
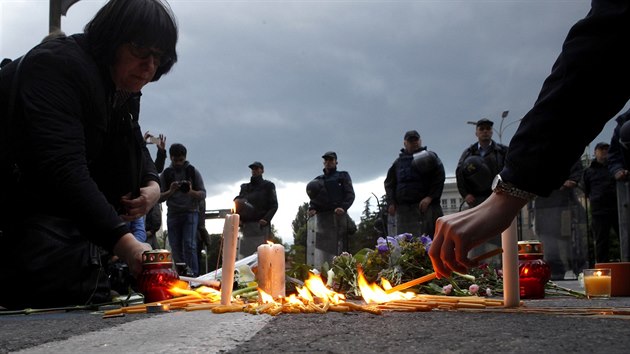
{"points": [[153, 140], [184, 186]]}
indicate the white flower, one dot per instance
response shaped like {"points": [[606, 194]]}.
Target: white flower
{"points": [[488, 292]]}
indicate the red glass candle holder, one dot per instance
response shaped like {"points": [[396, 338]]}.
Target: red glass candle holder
{"points": [[534, 272], [157, 275]]}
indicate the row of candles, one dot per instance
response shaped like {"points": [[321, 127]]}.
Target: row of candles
{"points": [[524, 272]]}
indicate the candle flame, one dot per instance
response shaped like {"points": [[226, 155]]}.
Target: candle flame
{"points": [[372, 293]]}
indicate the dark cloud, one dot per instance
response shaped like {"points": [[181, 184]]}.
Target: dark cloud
{"points": [[282, 82]]}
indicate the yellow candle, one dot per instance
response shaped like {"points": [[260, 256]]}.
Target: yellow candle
{"points": [[230, 237], [597, 283], [271, 270]]}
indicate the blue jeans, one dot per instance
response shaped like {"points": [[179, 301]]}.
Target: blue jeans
{"points": [[182, 236]]}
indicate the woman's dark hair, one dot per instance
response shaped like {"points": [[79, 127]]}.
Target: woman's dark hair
{"points": [[149, 23]]}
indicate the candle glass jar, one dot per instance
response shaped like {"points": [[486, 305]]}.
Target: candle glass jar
{"points": [[534, 272], [597, 283], [157, 275]]}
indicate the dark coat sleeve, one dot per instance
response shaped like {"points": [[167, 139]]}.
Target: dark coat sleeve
{"points": [[437, 182], [390, 185], [459, 174], [588, 85], [616, 152], [272, 200], [348, 190]]}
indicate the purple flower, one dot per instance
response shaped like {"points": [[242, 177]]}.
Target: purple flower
{"points": [[426, 241], [404, 237], [382, 248], [393, 241], [447, 289]]}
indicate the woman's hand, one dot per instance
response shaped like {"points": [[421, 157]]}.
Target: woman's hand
{"points": [[130, 251]]}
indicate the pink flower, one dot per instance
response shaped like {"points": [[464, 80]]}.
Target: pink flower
{"points": [[473, 289], [447, 289]]}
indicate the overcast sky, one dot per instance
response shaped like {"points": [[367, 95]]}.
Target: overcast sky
{"points": [[282, 82]]}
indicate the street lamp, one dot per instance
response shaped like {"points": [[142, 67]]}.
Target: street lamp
{"points": [[58, 8]]}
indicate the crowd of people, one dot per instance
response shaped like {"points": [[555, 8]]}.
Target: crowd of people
{"points": [[74, 147]]}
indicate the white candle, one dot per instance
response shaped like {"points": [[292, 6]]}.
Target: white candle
{"points": [[271, 270], [511, 295], [230, 236]]}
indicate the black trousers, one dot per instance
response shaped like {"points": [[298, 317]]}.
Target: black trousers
{"points": [[601, 226]]}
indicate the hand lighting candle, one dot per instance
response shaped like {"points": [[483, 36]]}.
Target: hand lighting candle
{"points": [[271, 269], [230, 238]]}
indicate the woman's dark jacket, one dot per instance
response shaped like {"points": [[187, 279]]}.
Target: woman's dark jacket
{"points": [[79, 146]]}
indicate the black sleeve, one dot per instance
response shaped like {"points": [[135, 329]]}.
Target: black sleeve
{"points": [[588, 85]]}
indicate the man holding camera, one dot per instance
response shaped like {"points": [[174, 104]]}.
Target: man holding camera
{"points": [[183, 190]]}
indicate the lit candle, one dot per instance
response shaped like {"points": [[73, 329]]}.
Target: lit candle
{"points": [[597, 283], [230, 236], [511, 293], [271, 269]]}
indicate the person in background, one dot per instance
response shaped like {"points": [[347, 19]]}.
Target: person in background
{"points": [[476, 168], [413, 186], [478, 165], [554, 216], [618, 166], [153, 219], [331, 195], [183, 190], [74, 136], [588, 85], [256, 203], [203, 236], [601, 190]]}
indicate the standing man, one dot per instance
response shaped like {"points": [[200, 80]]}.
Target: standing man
{"points": [[413, 186], [182, 189], [618, 166], [476, 169], [331, 195], [555, 217], [256, 203], [478, 165], [601, 190]]}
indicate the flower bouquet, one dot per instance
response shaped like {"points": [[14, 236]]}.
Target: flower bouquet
{"points": [[403, 258]]}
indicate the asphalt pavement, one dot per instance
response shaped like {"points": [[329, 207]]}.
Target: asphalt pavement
{"points": [[350, 332]]}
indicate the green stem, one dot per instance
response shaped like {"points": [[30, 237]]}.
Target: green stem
{"points": [[244, 290], [553, 286]]}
